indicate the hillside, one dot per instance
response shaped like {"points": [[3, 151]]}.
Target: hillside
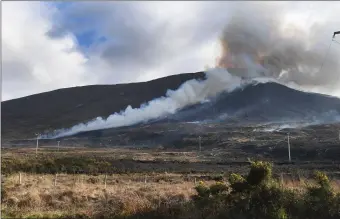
{"points": [[253, 103], [263, 102], [22, 117]]}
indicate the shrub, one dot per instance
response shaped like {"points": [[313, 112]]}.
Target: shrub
{"points": [[260, 172], [237, 182], [218, 188], [236, 178], [322, 179], [202, 190], [323, 202]]}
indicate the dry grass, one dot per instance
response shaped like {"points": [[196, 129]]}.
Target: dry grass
{"points": [[37, 194], [124, 194], [82, 194], [303, 183]]}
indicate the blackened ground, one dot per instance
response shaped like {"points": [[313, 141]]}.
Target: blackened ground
{"points": [[263, 102], [225, 143]]}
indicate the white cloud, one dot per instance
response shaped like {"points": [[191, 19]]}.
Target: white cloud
{"points": [[146, 40], [33, 62], [155, 39]]}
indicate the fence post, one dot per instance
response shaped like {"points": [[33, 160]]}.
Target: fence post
{"points": [[145, 179], [289, 148], [55, 179], [19, 178], [199, 143], [105, 181]]}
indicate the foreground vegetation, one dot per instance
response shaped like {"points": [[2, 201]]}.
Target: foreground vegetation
{"points": [[254, 195]]}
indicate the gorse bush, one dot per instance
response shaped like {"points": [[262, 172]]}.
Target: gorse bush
{"points": [[218, 188], [202, 190], [260, 172], [237, 183], [322, 179], [258, 195], [321, 199]]}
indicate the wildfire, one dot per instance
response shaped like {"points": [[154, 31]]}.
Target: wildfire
{"points": [[228, 57]]}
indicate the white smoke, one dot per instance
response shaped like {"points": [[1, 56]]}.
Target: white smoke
{"points": [[256, 30], [329, 117], [191, 92]]}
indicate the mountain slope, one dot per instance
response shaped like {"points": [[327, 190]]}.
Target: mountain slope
{"points": [[25, 116], [263, 102], [254, 103]]}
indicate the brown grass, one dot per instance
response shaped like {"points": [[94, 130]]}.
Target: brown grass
{"points": [[78, 194], [124, 194]]}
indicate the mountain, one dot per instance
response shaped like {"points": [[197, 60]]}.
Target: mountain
{"points": [[251, 104], [23, 117], [258, 115], [263, 102]]}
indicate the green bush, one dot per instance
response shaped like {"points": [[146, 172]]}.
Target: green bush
{"points": [[202, 190], [260, 172], [218, 188], [321, 199], [237, 183], [259, 196], [322, 179]]}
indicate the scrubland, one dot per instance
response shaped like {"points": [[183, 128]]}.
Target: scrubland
{"points": [[39, 187]]}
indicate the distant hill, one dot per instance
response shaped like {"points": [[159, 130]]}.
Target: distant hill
{"points": [[23, 117]]}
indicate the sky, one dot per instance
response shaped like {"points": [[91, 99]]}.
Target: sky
{"points": [[51, 45]]}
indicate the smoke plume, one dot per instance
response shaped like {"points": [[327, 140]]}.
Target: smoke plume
{"points": [[191, 92], [284, 44], [266, 40]]}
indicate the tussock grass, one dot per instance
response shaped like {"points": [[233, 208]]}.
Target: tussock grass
{"points": [[128, 196], [84, 194], [131, 194]]}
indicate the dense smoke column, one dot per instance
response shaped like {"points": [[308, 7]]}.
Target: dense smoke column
{"points": [[260, 34]]}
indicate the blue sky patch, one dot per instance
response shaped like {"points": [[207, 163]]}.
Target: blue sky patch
{"points": [[86, 39]]}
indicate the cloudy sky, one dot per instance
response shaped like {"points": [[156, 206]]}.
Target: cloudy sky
{"points": [[51, 45]]}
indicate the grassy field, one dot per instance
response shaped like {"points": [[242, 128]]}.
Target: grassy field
{"points": [[83, 194], [192, 187], [63, 195]]}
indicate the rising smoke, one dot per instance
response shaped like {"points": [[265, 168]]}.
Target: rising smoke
{"points": [[191, 92], [284, 44], [259, 39]]}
